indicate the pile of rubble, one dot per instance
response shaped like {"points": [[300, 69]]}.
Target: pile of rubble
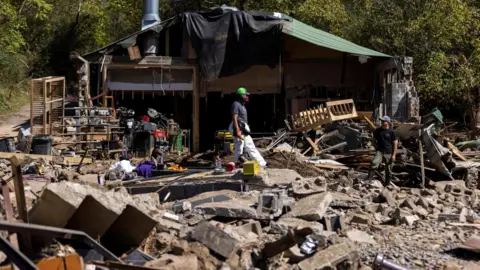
{"points": [[343, 222]]}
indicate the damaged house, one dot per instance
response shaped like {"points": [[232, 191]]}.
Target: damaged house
{"points": [[190, 66]]}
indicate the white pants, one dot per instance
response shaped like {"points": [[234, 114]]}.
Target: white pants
{"points": [[248, 146]]}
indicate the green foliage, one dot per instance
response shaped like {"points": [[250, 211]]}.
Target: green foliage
{"points": [[443, 36]]}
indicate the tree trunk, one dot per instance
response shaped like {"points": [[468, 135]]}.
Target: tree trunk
{"points": [[475, 111]]}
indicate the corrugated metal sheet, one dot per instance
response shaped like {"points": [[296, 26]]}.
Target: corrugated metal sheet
{"points": [[321, 38]]}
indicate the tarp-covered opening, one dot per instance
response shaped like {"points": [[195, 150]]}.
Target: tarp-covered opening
{"points": [[229, 42]]}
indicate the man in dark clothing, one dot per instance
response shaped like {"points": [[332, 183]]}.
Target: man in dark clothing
{"points": [[386, 144], [241, 131]]}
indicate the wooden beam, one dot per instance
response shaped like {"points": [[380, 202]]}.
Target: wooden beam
{"points": [[196, 112], [21, 202], [56, 159], [456, 151], [313, 144]]}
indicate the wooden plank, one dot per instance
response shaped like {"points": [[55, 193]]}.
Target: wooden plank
{"points": [[372, 125], [331, 166], [337, 102], [312, 144], [456, 151], [21, 202]]}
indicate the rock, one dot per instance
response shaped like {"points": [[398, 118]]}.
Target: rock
{"points": [[372, 207], [294, 254], [375, 184], [399, 214], [312, 207], [163, 241], [423, 202], [450, 265], [179, 247], [361, 219], [420, 211], [308, 186], [284, 224], [215, 239], [360, 237], [330, 257], [385, 209], [388, 197], [410, 220], [325, 238], [172, 262], [410, 203]]}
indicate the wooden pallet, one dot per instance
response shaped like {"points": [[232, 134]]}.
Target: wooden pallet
{"points": [[320, 115]]}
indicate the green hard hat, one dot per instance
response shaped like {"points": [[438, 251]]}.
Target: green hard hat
{"points": [[242, 91]]}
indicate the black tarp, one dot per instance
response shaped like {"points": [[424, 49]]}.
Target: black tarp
{"points": [[228, 42]]}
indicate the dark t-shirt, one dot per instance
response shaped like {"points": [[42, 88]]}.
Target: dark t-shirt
{"points": [[385, 139], [240, 110]]}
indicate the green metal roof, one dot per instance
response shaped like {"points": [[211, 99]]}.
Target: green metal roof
{"points": [[321, 38]]}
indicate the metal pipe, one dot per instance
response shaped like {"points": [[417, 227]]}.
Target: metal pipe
{"points": [[381, 263], [150, 13], [15, 256], [54, 232]]}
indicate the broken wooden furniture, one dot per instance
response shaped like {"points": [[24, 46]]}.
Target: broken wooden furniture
{"points": [[314, 118], [47, 100]]}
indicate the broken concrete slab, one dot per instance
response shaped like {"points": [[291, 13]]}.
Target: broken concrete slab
{"points": [[284, 224], [342, 200], [93, 217], [122, 236], [312, 207], [271, 203], [360, 237], [308, 186], [361, 219], [253, 227], [63, 199], [293, 237], [282, 176], [410, 220], [66, 197], [452, 217], [215, 239], [230, 208], [332, 256], [334, 222]]}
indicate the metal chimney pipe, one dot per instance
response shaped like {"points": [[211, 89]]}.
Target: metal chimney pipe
{"points": [[150, 18], [150, 13]]}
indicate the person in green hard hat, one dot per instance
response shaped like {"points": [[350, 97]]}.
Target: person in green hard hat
{"points": [[241, 131]]}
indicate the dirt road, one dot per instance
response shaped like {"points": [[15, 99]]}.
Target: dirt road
{"points": [[11, 123]]}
